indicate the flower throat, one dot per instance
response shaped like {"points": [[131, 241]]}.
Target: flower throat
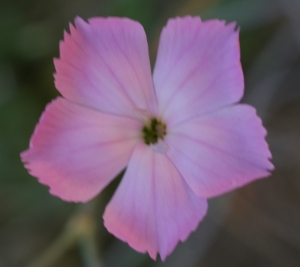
{"points": [[155, 131]]}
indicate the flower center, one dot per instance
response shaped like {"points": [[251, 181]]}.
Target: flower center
{"points": [[154, 131]]}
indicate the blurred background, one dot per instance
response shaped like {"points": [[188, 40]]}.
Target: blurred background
{"points": [[258, 225]]}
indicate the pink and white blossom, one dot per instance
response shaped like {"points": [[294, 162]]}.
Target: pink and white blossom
{"points": [[181, 134]]}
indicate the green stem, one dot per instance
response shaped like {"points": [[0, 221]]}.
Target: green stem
{"points": [[81, 228]]}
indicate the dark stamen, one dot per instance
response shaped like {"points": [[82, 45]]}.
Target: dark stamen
{"points": [[153, 132]]}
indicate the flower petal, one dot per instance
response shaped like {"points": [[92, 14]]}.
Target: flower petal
{"points": [[105, 64], [198, 68], [221, 151], [77, 151], [153, 208]]}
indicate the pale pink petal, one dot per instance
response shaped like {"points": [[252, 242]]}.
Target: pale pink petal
{"points": [[105, 64], [153, 208], [77, 151], [198, 68], [219, 152]]}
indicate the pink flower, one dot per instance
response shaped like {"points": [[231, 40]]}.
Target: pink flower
{"points": [[181, 134]]}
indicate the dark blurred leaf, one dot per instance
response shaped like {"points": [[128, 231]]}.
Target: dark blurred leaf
{"points": [[247, 14]]}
